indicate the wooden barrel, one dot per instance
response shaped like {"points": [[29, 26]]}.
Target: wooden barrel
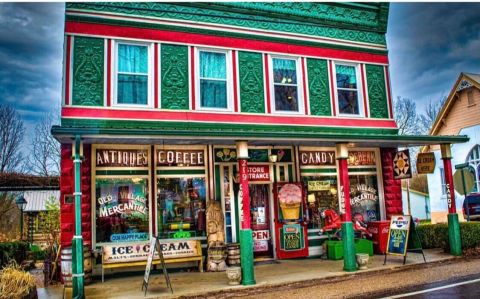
{"points": [[233, 254], [66, 265]]}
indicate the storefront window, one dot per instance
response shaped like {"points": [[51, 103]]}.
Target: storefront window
{"points": [[121, 209], [364, 197], [181, 207], [321, 195]]}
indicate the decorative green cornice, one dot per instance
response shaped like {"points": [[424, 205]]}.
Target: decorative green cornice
{"points": [[250, 70], [337, 21], [318, 86], [377, 91], [96, 20]]}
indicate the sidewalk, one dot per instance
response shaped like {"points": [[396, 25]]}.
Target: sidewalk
{"points": [[280, 273]]}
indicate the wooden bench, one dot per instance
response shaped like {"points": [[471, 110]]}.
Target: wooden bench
{"points": [[169, 259]]}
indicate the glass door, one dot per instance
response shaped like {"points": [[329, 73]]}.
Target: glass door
{"points": [[228, 203], [260, 221]]}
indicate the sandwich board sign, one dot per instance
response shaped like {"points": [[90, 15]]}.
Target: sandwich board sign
{"points": [[155, 245], [402, 237]]}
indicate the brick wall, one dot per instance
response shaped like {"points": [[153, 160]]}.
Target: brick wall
{"points": [[392, 188], [67, 186]]}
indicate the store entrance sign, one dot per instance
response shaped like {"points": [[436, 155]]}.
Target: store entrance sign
{"points": [[259, 173], [121, 158], [176, 157]]}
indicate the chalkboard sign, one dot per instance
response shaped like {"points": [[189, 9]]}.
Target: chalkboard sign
{"points": [[398, 235], [292, 237], [155, 246]]}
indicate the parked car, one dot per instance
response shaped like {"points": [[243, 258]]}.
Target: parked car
{"points": [[473, 201]]}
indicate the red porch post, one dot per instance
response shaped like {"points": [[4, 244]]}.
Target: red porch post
{"points": [[246, 239], [453, 224], [349, 263]]}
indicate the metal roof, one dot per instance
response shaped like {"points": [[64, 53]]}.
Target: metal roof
{"points": [[36, 199]]}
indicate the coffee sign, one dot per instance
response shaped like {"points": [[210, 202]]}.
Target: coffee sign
{"points": [[121, 158], [176, 157]]}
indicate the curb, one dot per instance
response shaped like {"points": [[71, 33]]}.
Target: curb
{"points": [[258, 289]]}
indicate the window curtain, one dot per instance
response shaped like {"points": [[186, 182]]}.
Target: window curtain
{"points": [[284, 71], [213, 80], [132, 74], [346, 76]]}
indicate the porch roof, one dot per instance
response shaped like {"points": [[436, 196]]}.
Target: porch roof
{"points": [[262, 135]]}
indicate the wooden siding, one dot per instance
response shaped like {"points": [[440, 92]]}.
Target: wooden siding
{"points": [[461, 114]]}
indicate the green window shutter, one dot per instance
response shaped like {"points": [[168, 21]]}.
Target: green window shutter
{"points": [[88, 71], [377, 91], [319, 87], [250, 69], [174, 74]]}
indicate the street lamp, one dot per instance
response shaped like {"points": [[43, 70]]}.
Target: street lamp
{"points": [[21, 204]]}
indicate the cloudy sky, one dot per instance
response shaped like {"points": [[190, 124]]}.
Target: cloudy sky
{"points": [[429, 45]]}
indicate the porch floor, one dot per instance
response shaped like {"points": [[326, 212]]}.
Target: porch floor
{"points": [[278, 273]]}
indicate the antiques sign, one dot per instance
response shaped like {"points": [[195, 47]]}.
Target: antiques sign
{"points": [[425, 163], [129, 252], [398, 235], [327, 158], [121, 158], [402, 168], [176, 157]]}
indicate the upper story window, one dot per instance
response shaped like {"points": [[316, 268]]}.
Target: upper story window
{"points": [[286, 85], [470, 99], [214, 80], [133, 74], [348, 90]]}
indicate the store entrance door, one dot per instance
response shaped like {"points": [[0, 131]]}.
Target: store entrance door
{"points": [[260, 221]]}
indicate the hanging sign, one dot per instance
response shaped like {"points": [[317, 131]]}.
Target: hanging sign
{"points": [[175, 157], [398, 235], [259, 173], [463, 184], [402, 168], [318, 185], [121, 158], [425, 163]]}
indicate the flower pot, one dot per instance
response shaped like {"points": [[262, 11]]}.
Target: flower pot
{"points": [[234, 275], [362, 260]]}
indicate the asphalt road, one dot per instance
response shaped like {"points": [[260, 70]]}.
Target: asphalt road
{"points": [[467, 287]]}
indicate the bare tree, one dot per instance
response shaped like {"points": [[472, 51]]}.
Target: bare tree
{"points": [[11, 136], [44, 159], [431, 111], [406, 116]]}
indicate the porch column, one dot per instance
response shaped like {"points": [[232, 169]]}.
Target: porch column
{"points": [[246, 239], [77, 242], [453, 224], [349, 263]]}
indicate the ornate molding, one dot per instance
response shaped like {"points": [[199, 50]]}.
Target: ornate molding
{"points": [[174, 74], [201, 12], [250, 68], [377, 92], [318, 87], [88, 74], [464, 84]]}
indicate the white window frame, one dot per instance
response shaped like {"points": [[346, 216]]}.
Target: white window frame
{"points": [[443, 183], [361, 108], [150, 74], [271, 85], [228, 61]]}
